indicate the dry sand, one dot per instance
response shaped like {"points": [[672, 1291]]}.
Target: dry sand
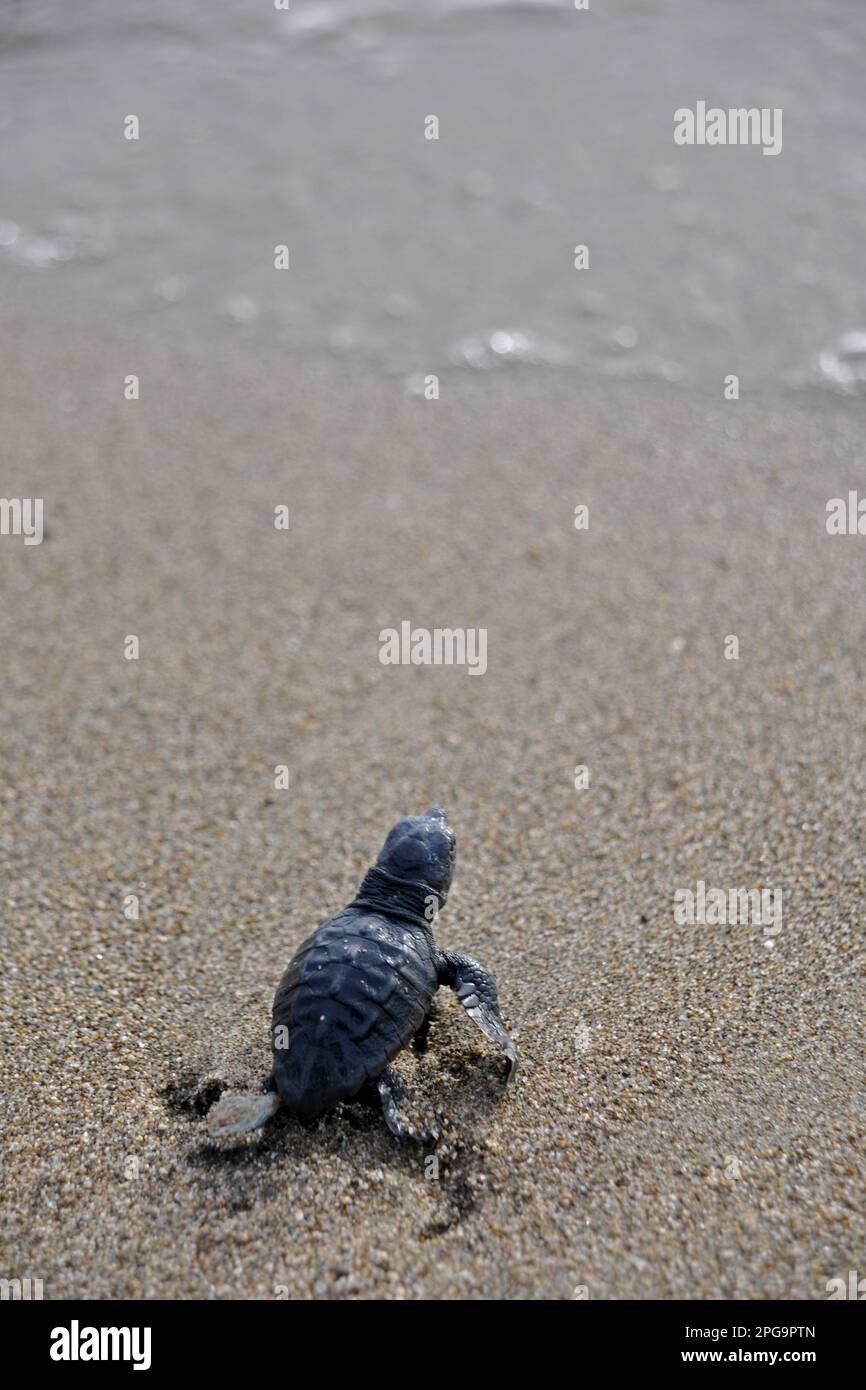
{"points": [[689, 1117]]}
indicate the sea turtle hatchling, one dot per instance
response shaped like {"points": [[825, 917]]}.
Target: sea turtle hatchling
{"points": [[359, 989]]}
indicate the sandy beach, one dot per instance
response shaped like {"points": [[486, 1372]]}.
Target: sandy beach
{"points": [[231, 264], [688, 1120]]}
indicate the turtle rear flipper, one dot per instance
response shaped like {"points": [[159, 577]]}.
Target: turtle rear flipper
{"points": [[241, 1114], [476, 990], [392, 1094]]}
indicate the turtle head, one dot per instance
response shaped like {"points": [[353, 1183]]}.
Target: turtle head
{"points": [[422, 850]]}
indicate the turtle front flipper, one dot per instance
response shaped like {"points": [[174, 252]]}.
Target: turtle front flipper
{"points": [[476, 990]]}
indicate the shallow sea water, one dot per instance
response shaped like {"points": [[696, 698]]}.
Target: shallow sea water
{"points": [[305, 128]]}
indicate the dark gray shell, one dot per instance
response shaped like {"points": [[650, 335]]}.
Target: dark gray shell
{"points": [[354, 994]]}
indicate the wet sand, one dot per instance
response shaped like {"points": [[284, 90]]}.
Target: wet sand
{"points": [[688, 1120]]}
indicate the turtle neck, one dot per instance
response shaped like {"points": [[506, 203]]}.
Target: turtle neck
{"points": [[397, 897]]}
